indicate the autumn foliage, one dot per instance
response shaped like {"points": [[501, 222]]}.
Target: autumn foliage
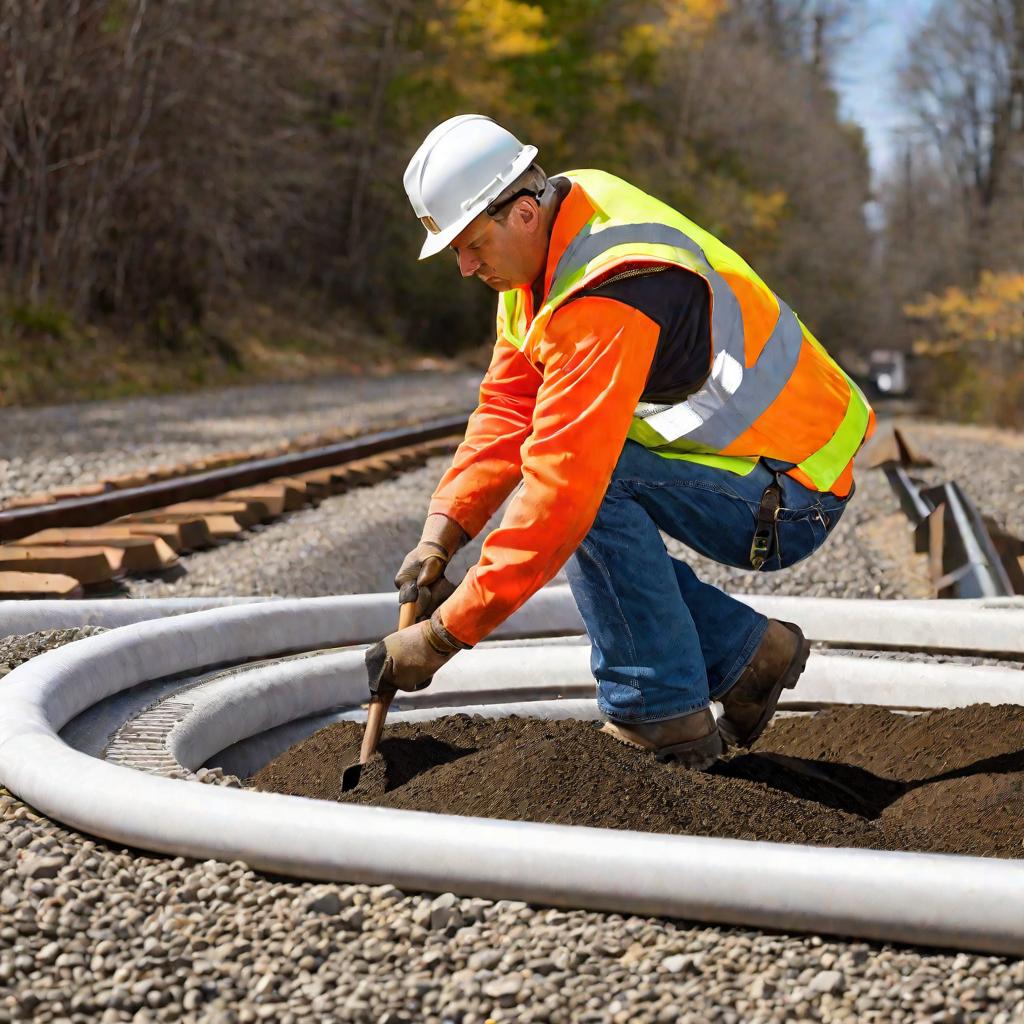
{"points": [[159, 160], [971, 343]]}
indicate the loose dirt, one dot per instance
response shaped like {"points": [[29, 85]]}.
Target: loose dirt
{"points": [[949, 781]]}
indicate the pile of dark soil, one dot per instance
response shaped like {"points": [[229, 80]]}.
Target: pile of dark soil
{"points": [[950, 781]]}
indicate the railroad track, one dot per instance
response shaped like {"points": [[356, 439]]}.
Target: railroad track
{"points": [[82, 540], [96, 734]]}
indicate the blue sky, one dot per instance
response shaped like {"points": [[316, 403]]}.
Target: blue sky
{"points": [[865, 74]]}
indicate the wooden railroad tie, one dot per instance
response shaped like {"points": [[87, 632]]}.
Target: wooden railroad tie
{"points": [[88, 565], [190, 533], [20, 585], [216, 525], [245, 513], [59, 562], [140, 553]]}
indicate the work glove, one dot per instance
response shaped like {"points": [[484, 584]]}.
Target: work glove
{"points": [[421, 576], [408, 658]]}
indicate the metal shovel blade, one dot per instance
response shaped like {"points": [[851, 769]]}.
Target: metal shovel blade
{"points": [[378, 707], [350, 777], [375, 714]]}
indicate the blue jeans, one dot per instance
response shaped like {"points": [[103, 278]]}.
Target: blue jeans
{"points": [[663, 642]]}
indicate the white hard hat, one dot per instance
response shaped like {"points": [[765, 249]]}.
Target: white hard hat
{"points": [[463, 165]]}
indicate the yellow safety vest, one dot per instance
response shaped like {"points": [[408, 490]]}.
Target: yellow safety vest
{"points": [[772, 390]]}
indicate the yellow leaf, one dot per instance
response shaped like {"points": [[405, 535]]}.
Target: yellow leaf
{"points": [[502, 29], [990, 314]]}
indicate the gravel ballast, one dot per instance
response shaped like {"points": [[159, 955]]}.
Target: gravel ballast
{"points": [[354, 542], [93, 932]]}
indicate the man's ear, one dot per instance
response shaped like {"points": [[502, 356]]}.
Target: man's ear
{"points": [[528, 213]]}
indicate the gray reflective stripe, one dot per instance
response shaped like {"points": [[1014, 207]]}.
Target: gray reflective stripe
{"points": [[567, 261], [714, 416], [588, 245], [727, 318], [734, 396]]}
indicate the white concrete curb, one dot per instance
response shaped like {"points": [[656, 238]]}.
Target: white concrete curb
{"points": [[982, 625], [251, 702], [932, 899]]}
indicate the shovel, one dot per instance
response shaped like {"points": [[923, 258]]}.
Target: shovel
{"points": [[375, 714]]}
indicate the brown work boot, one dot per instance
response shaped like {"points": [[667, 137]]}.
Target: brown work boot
{"points": [[692, 739], [775, 666]]}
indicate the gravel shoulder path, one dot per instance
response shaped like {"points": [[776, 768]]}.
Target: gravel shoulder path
{"points": [[92, 932]]}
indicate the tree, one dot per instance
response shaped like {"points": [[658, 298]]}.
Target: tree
{"points": [[749, 143], [974, 343], [149, 153], [810, 31], [964, 81], [156, 158]]}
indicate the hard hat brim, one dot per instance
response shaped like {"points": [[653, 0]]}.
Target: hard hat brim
{"points": [[433, 244]]}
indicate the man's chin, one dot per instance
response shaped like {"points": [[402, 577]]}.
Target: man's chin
{"points": [[497, 284]]}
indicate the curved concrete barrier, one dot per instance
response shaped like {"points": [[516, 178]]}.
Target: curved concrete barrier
{"points": [[930, 899], [18, 617], [251, 702], [974, 626], [270, 706]]}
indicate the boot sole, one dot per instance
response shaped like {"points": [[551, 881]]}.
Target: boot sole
{"points": [[787, 681], [694, 754]]}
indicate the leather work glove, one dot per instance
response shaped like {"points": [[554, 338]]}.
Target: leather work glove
{"points": [[421, 577], [408, 658]]}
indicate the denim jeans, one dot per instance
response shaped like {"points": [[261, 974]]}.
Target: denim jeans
{"points": [[664, 643]]}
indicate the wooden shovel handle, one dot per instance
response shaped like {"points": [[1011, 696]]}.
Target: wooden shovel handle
{"points": [[407, 614], [381, 701]]}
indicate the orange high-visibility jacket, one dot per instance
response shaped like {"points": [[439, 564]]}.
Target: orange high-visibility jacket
{"points": [[562, 395]]}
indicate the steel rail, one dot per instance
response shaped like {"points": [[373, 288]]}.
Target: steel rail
{"points": [[102, 508], [971, 565], [960, 541], [911, 500]]}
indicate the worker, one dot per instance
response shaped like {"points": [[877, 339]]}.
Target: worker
{"points": [[644, 379]]}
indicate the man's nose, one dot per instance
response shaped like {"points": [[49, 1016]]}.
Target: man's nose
{"points": [[468, 263]]}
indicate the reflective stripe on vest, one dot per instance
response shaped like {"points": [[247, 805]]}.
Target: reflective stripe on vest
{"points": [[733, 397], [748, 375]]}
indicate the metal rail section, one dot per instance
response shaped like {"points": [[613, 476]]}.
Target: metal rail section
{"points": [[48, 747], [970, 563], [914, 506], [102, 508], [964, 561]]}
